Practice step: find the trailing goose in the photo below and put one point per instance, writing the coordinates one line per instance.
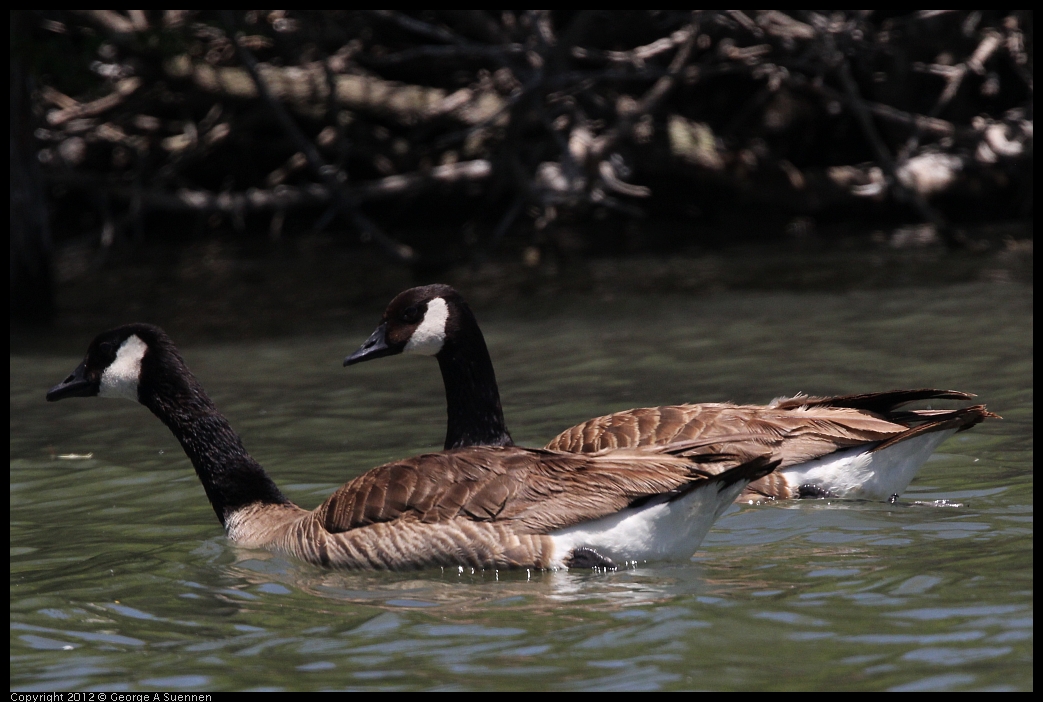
(489, 507)
(852, 446)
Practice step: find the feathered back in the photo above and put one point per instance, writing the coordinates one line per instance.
(535, 490)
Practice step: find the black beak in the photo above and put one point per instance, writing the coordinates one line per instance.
(375, 347)
(76, 385)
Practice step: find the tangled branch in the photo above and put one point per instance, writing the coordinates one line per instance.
(550, 112)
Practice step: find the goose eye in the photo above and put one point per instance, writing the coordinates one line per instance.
(411, 314)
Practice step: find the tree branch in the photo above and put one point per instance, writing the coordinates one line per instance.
(345, 199)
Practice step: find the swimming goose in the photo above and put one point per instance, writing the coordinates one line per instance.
(852, 446)
(489, 507)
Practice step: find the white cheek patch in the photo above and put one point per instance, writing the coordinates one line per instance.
(121, 378)
(429, 336)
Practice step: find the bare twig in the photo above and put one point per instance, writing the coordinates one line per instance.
(307, 84)
(111, 21)
(781, 25)
(281, 197)
(123, 89)
(424, 29)
(638, 55)
(855, 102)
(990, 41)
(647, 102)
(498, 53)
(939, 127)
(748, 24)
(458, 46)
(343, 195)
(933, 125)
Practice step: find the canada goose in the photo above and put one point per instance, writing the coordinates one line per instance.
(853, 446)
(492, 507)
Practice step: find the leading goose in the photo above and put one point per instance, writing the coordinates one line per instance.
(489, 507)
(852, 446)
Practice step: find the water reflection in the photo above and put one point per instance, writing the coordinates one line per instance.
(464, 589)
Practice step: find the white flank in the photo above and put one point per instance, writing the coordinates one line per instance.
(429, 336)
(658, 530)
(120, 379)
(860, 474)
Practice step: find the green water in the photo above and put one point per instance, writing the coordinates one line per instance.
(122, 580)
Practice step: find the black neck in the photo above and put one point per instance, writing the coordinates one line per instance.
(230, 476)
(472, 398)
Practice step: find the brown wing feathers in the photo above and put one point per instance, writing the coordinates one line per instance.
(542, 490)
(939, 420)
(795, 429)
(880, 402)
(536, 490)
(792, 430)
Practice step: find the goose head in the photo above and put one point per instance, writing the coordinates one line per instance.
(114, 364)
(135, 362)
(417, 321)
(434, 320)
(139, 362)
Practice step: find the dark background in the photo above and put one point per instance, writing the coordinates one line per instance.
(269, 172)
